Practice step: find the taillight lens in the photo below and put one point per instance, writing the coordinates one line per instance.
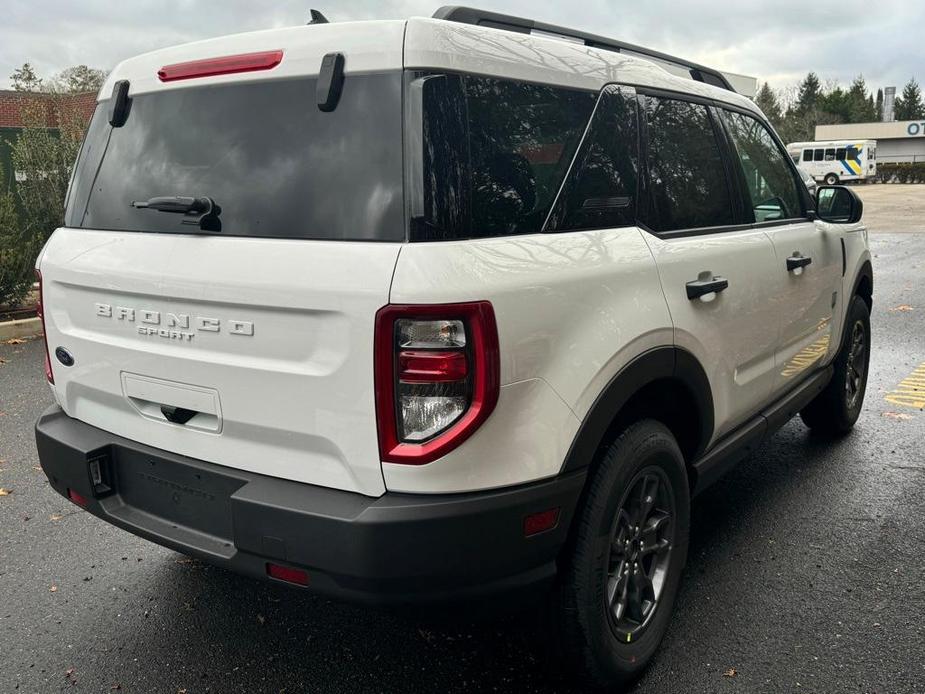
(437, 377)
(40, 310)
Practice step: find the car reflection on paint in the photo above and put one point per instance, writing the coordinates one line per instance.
(808, 180)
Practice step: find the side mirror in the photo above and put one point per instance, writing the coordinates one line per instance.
(838, 205)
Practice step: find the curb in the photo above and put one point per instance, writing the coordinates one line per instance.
(27, 327)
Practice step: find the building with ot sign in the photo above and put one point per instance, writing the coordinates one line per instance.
(899, 141)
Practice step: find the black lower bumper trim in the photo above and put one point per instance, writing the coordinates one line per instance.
(392, 549)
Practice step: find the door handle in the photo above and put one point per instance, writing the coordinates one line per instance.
(699, 288)
(796, 262)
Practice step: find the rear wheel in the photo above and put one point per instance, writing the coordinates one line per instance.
(831, 179)
(837, 408)
(630, 548)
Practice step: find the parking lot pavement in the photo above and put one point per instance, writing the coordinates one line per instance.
(894, 207)
(806, 573)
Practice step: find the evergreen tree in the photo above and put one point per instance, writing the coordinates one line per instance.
(768, 102)
(833, 107)
(810, 90)
(909, 106)
(878, 107)
(860, 108)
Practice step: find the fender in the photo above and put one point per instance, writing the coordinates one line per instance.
(866, 271)
(650, 366)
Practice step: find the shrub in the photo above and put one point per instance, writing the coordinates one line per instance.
(17, 255)
(901, 172)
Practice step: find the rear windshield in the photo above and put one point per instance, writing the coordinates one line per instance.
(274, 164)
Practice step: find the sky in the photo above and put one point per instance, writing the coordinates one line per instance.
(778, 42)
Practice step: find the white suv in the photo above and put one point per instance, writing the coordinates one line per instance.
(428, 309)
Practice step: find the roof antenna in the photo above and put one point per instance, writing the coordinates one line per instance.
(318, 18)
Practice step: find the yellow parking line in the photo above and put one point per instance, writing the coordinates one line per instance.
(911, 390)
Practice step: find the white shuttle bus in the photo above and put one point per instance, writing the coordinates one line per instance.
(834, 161)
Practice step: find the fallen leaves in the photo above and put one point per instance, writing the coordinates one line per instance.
(902, 308)
(731, 672)
(901, 416)
(5, 492)
(70, 676)
(55, 517)
(15, 341)
(53, 589)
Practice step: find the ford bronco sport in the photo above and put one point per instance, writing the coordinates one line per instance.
(433, 309)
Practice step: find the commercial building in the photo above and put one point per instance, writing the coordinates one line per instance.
(899, 141)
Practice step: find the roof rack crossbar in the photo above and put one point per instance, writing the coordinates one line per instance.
(520, 25)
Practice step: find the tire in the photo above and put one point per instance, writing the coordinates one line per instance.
(831, 179)
(603, 648)
(835, 410)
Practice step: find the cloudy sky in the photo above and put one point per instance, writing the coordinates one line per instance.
(775, 41)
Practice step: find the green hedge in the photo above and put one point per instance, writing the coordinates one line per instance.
(904, 172)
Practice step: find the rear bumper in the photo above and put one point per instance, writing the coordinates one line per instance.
(397, 548)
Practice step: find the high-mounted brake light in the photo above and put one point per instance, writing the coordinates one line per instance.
(40, 310)
(437, 377)
(224, 65)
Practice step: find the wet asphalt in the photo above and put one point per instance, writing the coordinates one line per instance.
(806, 574)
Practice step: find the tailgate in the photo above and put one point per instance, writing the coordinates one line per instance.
(265, 344)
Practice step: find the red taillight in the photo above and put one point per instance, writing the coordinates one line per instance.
(437, 377)
(288, 574)
(225, 65)
(40, 310)
(431, 367)
(78, 499)
(540, 522)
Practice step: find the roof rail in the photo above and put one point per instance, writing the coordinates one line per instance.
(520, 25)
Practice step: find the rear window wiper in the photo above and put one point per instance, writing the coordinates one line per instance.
(202, 212)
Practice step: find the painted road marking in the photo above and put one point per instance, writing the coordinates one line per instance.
(911, 390)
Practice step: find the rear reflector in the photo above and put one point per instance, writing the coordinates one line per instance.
(287, 574)
(540, 522)
(225, 65)
(78, 499)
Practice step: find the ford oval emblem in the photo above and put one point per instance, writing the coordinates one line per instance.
(64, 356)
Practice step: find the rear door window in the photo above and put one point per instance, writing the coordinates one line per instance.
(491, 153)
(687, 183)
(274, 163)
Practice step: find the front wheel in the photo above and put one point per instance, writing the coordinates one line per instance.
(835, 410)
(625, 566)
(831, 179)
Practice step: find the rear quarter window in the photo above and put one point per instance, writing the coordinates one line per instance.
(263, 151)
(493, 153)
